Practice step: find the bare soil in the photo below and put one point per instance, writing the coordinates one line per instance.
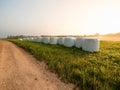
(21, 71)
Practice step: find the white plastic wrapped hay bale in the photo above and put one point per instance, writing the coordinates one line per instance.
(24, 38)
(34, 39)
(38, 39)
(31, 39)
(53, 40)
(27, 39)
(61, 40)
(69, 42)
(41, 39)
(20, 39)
(91, 44)
(79, 42)
(45, 40)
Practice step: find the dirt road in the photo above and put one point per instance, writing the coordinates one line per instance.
(20, 71)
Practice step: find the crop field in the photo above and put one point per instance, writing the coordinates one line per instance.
(88, 71)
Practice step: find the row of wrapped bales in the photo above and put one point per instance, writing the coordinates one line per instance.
(87, 44)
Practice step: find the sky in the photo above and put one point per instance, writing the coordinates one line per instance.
(59, 17)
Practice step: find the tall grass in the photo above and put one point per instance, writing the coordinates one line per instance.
(89, 71)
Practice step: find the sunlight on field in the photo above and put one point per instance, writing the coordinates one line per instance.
(106, 38)
(109, 38)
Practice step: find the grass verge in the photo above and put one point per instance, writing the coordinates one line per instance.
(89, 71)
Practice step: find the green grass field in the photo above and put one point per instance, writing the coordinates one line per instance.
(88, 71)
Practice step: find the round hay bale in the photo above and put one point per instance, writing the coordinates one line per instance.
(31, 39)
(35, 39)
(91, 45)
(20, 39)
(24, 38)
(38, 39)
(53, 40)
(69, 42)
(79, 42)
(27, 39)
(61, 40)
(45, 40)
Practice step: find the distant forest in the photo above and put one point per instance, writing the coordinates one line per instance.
(95, 35)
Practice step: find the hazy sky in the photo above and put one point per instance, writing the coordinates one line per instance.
(59, 17)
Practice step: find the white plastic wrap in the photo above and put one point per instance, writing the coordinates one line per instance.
(53, 40)
(24, 38)
(61, 40)
(45, 40)
(91, 44)
(20, 39)
(79, 42)
(31, 39)
(69, 42)
(38, 39)
(27, 39)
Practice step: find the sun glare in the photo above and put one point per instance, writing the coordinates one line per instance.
(103, 21)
